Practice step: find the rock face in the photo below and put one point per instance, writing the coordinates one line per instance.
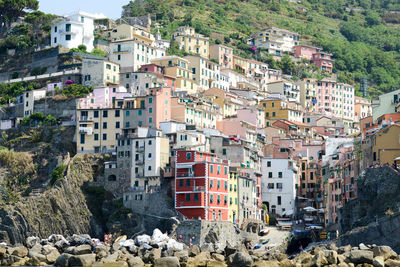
(366, 219)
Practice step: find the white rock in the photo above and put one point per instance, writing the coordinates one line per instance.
(142, 239)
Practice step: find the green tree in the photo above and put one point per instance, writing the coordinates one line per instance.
(40, 22)
(12, 9)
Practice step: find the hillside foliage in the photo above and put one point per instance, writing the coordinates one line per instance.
(362, 35)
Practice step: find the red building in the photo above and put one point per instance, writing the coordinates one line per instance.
(323, 61)
(201, 186)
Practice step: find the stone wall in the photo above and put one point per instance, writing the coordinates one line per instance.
(64, 109)
(217, 232)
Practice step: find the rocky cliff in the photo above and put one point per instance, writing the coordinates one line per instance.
(374, 216)
(62, 209)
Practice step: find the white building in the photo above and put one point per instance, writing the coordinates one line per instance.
(27, 102)
(132, 53)
(141, 156)
(286, 88)
(74, 30)
(278, 184)
(275, 40)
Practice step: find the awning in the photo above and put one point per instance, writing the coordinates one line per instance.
(310, 209)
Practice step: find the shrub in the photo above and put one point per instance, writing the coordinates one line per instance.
(58, 173)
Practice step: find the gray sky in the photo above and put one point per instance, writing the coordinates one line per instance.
(111, 8)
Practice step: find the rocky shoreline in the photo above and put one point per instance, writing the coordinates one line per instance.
(160, 250)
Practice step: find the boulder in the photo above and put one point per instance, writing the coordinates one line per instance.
(207, 247)
(215, 263)
(101, 252)
(379, 261)
(167, 262)
(37, 255)
(155, 254)
(341, 258)
(218, 257)
(47, 249)
(3, 251)
(331, 256)
(20, 251)
(361, 246)
(63, 260)
(135, 262)
(288, 263)
(182, 255)
(361, 256)
(142, 239)
(194, 251)
(62, 244)
(202, 258)
(344, 249)
(241, 259)
(113, 264)
(319, 259)
(343, 264)
(303, 258)
(82, 260)
(112, 258)
(392, 263)
(272, 263)
(36, 248)
(31, 241)
(80, 250)
(52, 256)
(385, 251)
(229, 249)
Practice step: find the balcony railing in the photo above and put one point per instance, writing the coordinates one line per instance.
(185, 174)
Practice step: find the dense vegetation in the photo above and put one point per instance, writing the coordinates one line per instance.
(361, 34)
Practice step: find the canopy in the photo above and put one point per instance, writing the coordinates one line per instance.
(287, 213)
(310, 209)
(396, 159)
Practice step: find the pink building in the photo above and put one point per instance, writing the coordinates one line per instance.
(252, 115)
(323, 61)
(240, 129)
(104, 97)
(305, 51)
(223, 54)
(158, 104)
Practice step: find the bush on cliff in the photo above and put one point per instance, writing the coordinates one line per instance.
(58, 173)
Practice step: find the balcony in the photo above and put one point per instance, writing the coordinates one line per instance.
(62, 31)
(85, 118)
(185, 174)
(199, 188)
(125, 50)
(140, 149)
(86, 130)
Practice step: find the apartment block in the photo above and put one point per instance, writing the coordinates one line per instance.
(223, 54)
(201, 186)
(99, 72)
(192, 42)
(205, 72)
(142, 154)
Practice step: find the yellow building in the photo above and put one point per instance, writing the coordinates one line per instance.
(240, 63)
(280, 109)
(178, 68)
(386, 144)
(227, 101)
(308, 94)
(98, 129)
(125, 31)
(191, 42)
(205, 72)
(233, 195)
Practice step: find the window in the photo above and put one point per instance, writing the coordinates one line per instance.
(105, 113)
(218, 184)
(211, 198)
(117, 124)
(279, 200)
(55, 39)
(55, 29)
(149, 168)
(104, 125)
(218, 199)
(150, 100)
(211, 183)
(224, 151)
(269, 174)
(187, 197)
(270, 185)
(211, 168)
(96, 137)
(82, 138)
(68, 28)
(82, 19)
(196, 197)
(225, 199)
(279, 174)
(181, 183)
(96, 113)
(150, 110)
(187, 182)
(225, 170)
(279, 185)
(104, 136)
(68, 37)
(188, 155)
(96, 125)
(268, 163)
(117, 112)
(218, 169)
(226, 185)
